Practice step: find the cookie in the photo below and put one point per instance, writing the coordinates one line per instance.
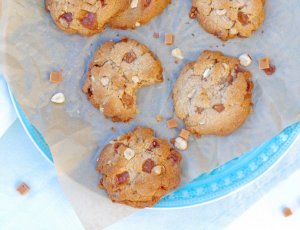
(86, 17)
(213, 95)
(116, 72)
(138, 168)
(138, 13)
(228, 19)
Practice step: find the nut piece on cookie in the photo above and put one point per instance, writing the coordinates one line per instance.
(84, 17)
(228, 19)
(138, 168)
(217, 103)
(117, 71)
(141, 11)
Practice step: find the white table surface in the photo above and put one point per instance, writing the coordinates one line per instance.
(46, 207)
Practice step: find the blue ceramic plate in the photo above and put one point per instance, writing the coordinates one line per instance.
(210, 186)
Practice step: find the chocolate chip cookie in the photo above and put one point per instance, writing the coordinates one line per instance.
(138, 13)
(213, 95)
(138, 168)
(116, 72)
(85, 17)
(229, 18)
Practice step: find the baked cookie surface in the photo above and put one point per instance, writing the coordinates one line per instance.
(228, 19)
(115, 74)
(86, 17)
(138, 168)
(144, 11)
(213, 95)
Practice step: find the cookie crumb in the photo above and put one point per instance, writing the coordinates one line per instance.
(113, 129)
(287, 212)
(169, 39)
(172, 141)
(155, 35)
(184, 134)
(56, 77)
(271, 70)
(158, 118)
(172, 123)
(264, 63)
(23, 188)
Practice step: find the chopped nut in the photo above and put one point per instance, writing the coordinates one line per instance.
(90, 21)
(172, 141)
(193, 12)
(172, 123)
(184, 134)
(180, 143)
(55, 77)
(174, 156)
(129, 57)
(148, 165)
(245, 60)
(129, 153)
(146, 3)
(221, 12)
(104, 81)
(199, 110)
(158, 118)
(206, 73)
(287, 212)
(243, 18)
(58, 98)
(169, 39)
(270, 70)
(122, 178)
(134, 3)
(219, 108)
(23, 188)
(264, 63)
(135, 79)
(157, 169)
(177, 53)
(156, 35)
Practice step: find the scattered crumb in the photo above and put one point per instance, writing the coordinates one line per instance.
(184, 134)
(217, 46)
(113, 129)
(124, 39)
(287, 212)
(172, 123)
(264, 63)
(169, 39)
(172, 141)
(262, 31)
(211, 46)
(155, 35)
(158, 118)
(55, 77)
(23, 188)
(271, 70)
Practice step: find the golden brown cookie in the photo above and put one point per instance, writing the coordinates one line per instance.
(115, 74)
(138, 13)
(86, 17)
(228, 19)
(213, 95)
(138, 168)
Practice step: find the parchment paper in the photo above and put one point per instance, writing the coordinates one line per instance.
(32, 47)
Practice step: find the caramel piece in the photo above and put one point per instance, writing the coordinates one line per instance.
(169, 39)
(172, 123)
(184, 134)
(23, 188)
(287, 212)
(264, 63)
(55, 77)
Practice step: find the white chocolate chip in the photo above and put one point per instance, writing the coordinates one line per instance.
(93, 78)
(111, 142)
(101, 109)
(58, 98)
(134, 3)
(206, 73)
(157, 170)
(129, 153)
(137, 24)
(245, 60)
(177, 53)
(192, 93)
(180, 143)
(221, 12)
(104, 81)
(135, 79)
(233, 31)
